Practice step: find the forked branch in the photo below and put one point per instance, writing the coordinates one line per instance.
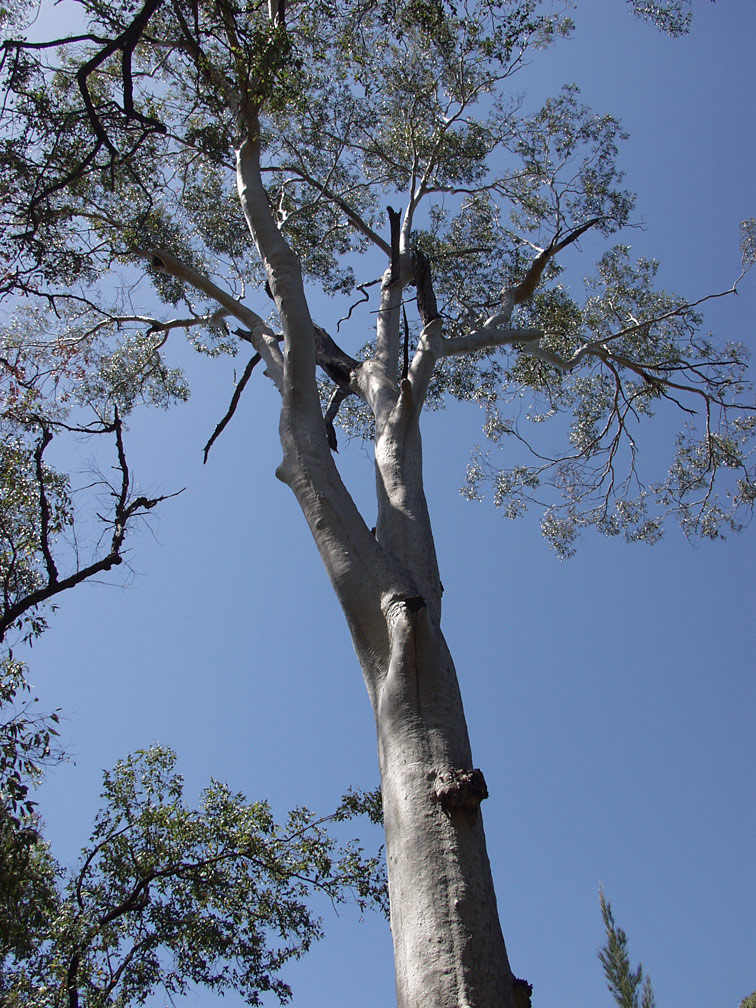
(126, 509)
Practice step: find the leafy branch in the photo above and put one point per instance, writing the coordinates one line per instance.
(629, 987)
(168, 895)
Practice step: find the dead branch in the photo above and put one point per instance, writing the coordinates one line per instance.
(246, 375)
(124, 512)
(426, 298)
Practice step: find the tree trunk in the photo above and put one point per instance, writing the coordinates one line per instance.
(448, 946)
(449, 950)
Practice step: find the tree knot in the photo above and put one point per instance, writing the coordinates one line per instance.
(460, 790)
(415, 603)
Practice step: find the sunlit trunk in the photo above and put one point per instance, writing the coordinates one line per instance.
(449, 950)
(448, 946)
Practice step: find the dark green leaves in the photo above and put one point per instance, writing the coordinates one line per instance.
(28, 894)
(27, 743)
(24, 522)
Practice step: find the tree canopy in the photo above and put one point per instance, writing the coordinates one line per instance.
(120, 177)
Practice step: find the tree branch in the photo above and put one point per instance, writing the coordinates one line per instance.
(126, 42)
(44, 508)
(246, 375)
(526, 287)
(337, 398)
(349, 212)
(431, 341)
(125, 510)
(264, 340)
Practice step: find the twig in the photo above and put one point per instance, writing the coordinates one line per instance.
(246, 375)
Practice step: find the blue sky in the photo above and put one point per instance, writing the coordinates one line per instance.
(610, 699)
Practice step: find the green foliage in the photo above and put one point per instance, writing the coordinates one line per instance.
(748, 242)
(27, 743)
(629, 988)
(27, 872)
(670, 16)
(16, 15)
(410, 102)
(167, 895)
(659, 359)
(28, 892)
(749, 1002)
(21, 518)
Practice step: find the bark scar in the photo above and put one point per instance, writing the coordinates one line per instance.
(460, 790)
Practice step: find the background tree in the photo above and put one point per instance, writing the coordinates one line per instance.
(166, 895)
(586, 472)
(629, 987)
(27, 873)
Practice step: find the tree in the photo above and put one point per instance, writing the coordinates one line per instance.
(324, 115)
(624, 983)
(166, 895)
(27, 875)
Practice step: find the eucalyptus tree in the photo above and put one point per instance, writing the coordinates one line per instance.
(210, 166)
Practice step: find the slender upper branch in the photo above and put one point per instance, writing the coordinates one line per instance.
(235, 398)
(346, 208)
(262, 336)
(44, 508)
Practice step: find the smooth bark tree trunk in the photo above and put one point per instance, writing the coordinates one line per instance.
(449, 950)
(448, 944)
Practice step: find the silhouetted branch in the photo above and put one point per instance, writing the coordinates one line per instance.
(426, 298)
(44, 507)
(124, 512)
(126, 42)
(395, 223)
(337, 398)
(246, 375)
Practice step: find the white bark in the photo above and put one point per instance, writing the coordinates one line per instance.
(449, 951)
(263, 338)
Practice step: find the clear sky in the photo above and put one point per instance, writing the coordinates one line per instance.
(610, 699)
